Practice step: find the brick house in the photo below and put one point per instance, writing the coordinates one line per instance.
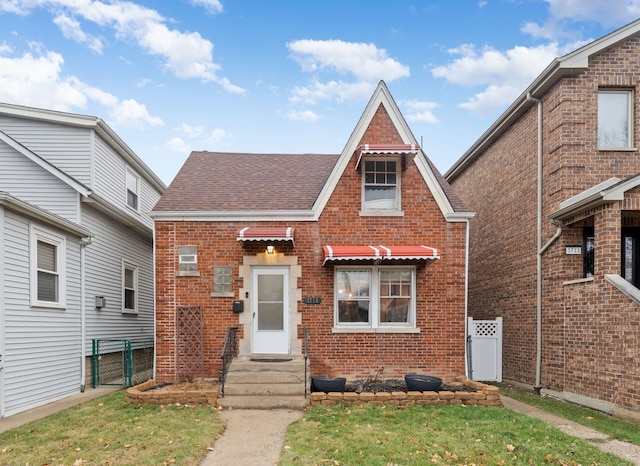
(554, 246)
(364, 250)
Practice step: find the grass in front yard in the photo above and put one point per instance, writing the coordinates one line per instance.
(612, 426)
(418, 435)
(111, 431)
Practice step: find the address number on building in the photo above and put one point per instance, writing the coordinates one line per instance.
(574, 250)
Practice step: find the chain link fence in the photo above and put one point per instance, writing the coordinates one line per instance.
(121, 362)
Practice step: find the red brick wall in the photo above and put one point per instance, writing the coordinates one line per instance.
(586, 326)
(439, 348)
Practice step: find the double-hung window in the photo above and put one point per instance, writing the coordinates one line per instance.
(47, 269)
(381, 185)
(129, 287)
(615, 119)
(375, 297)
(133, 188)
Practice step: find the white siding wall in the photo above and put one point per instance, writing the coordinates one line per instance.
(26, 180)
(42, 346)
(68, 148)
(103, 275)
(110, 183)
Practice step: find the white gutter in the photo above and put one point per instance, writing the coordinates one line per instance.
(84, 242)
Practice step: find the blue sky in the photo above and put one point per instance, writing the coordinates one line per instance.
(286, 76)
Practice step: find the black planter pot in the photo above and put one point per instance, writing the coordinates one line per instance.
(328, 384)
(422, 383)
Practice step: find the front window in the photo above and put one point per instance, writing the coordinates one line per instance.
(133, 183)
(615, 120)
(129, 287)
(375, 297)
(47, 268)
(381, 185)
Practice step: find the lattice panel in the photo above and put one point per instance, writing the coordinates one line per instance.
(486, 329)
(189, 332)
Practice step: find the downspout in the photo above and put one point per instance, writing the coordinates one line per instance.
(537, 384)
(541, 249)
(466, 303)
(84, 242)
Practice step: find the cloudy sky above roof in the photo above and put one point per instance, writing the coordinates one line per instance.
(286, 76)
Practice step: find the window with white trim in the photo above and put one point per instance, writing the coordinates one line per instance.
(188, 259)
(615, 119)
(129, 287)
(381, 185)
(133, 188)
(48, 265)
(375, 297)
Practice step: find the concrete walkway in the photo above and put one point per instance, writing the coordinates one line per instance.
(625, 450)
(252, 437)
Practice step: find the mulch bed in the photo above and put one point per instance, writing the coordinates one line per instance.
(396, 385)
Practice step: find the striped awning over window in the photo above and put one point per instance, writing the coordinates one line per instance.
(379, 252)
(404, 150)
(266, 234)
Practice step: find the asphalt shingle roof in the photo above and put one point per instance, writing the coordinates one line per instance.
(223, 181)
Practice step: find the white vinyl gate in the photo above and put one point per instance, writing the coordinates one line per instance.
(484, 349)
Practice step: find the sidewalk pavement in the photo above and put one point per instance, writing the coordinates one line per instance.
(625, 450)
(34, 414)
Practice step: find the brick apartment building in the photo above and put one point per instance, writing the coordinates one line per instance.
(554, 246)
(365, 250)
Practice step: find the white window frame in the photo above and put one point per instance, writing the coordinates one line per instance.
(131, 176)
(374, 324)
(130, 266)
(368, 209)
(36, 235)
(188, 261)
(610, 106)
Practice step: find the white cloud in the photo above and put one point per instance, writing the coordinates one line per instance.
(361, 65)
(608, 13)
(364, 61)
(505, 74)
(417, 110)
(212, 6)
(178, 145)
(218, 135)
(304, 115)
(71, 30)
(131, 114)
(332, 90)
(37, 81)
(185, 54)
(191, 131)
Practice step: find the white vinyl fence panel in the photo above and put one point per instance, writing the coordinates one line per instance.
(485, 349)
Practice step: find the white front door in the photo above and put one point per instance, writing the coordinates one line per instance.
(270, 306)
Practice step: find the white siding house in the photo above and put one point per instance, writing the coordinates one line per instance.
(74, 225)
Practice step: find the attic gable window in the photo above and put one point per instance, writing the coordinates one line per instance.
(381, 185)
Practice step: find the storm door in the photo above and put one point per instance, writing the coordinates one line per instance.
(270, 310)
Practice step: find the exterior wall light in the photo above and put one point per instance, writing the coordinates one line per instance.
(270, 249)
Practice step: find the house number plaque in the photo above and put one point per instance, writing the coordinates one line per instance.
(573, 250)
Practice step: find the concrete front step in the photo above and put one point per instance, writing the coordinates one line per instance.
(263, 389)
(263, 402)
(265, 377)
(266, 384)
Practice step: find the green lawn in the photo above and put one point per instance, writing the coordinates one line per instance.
(111, 431)
(419, 435)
